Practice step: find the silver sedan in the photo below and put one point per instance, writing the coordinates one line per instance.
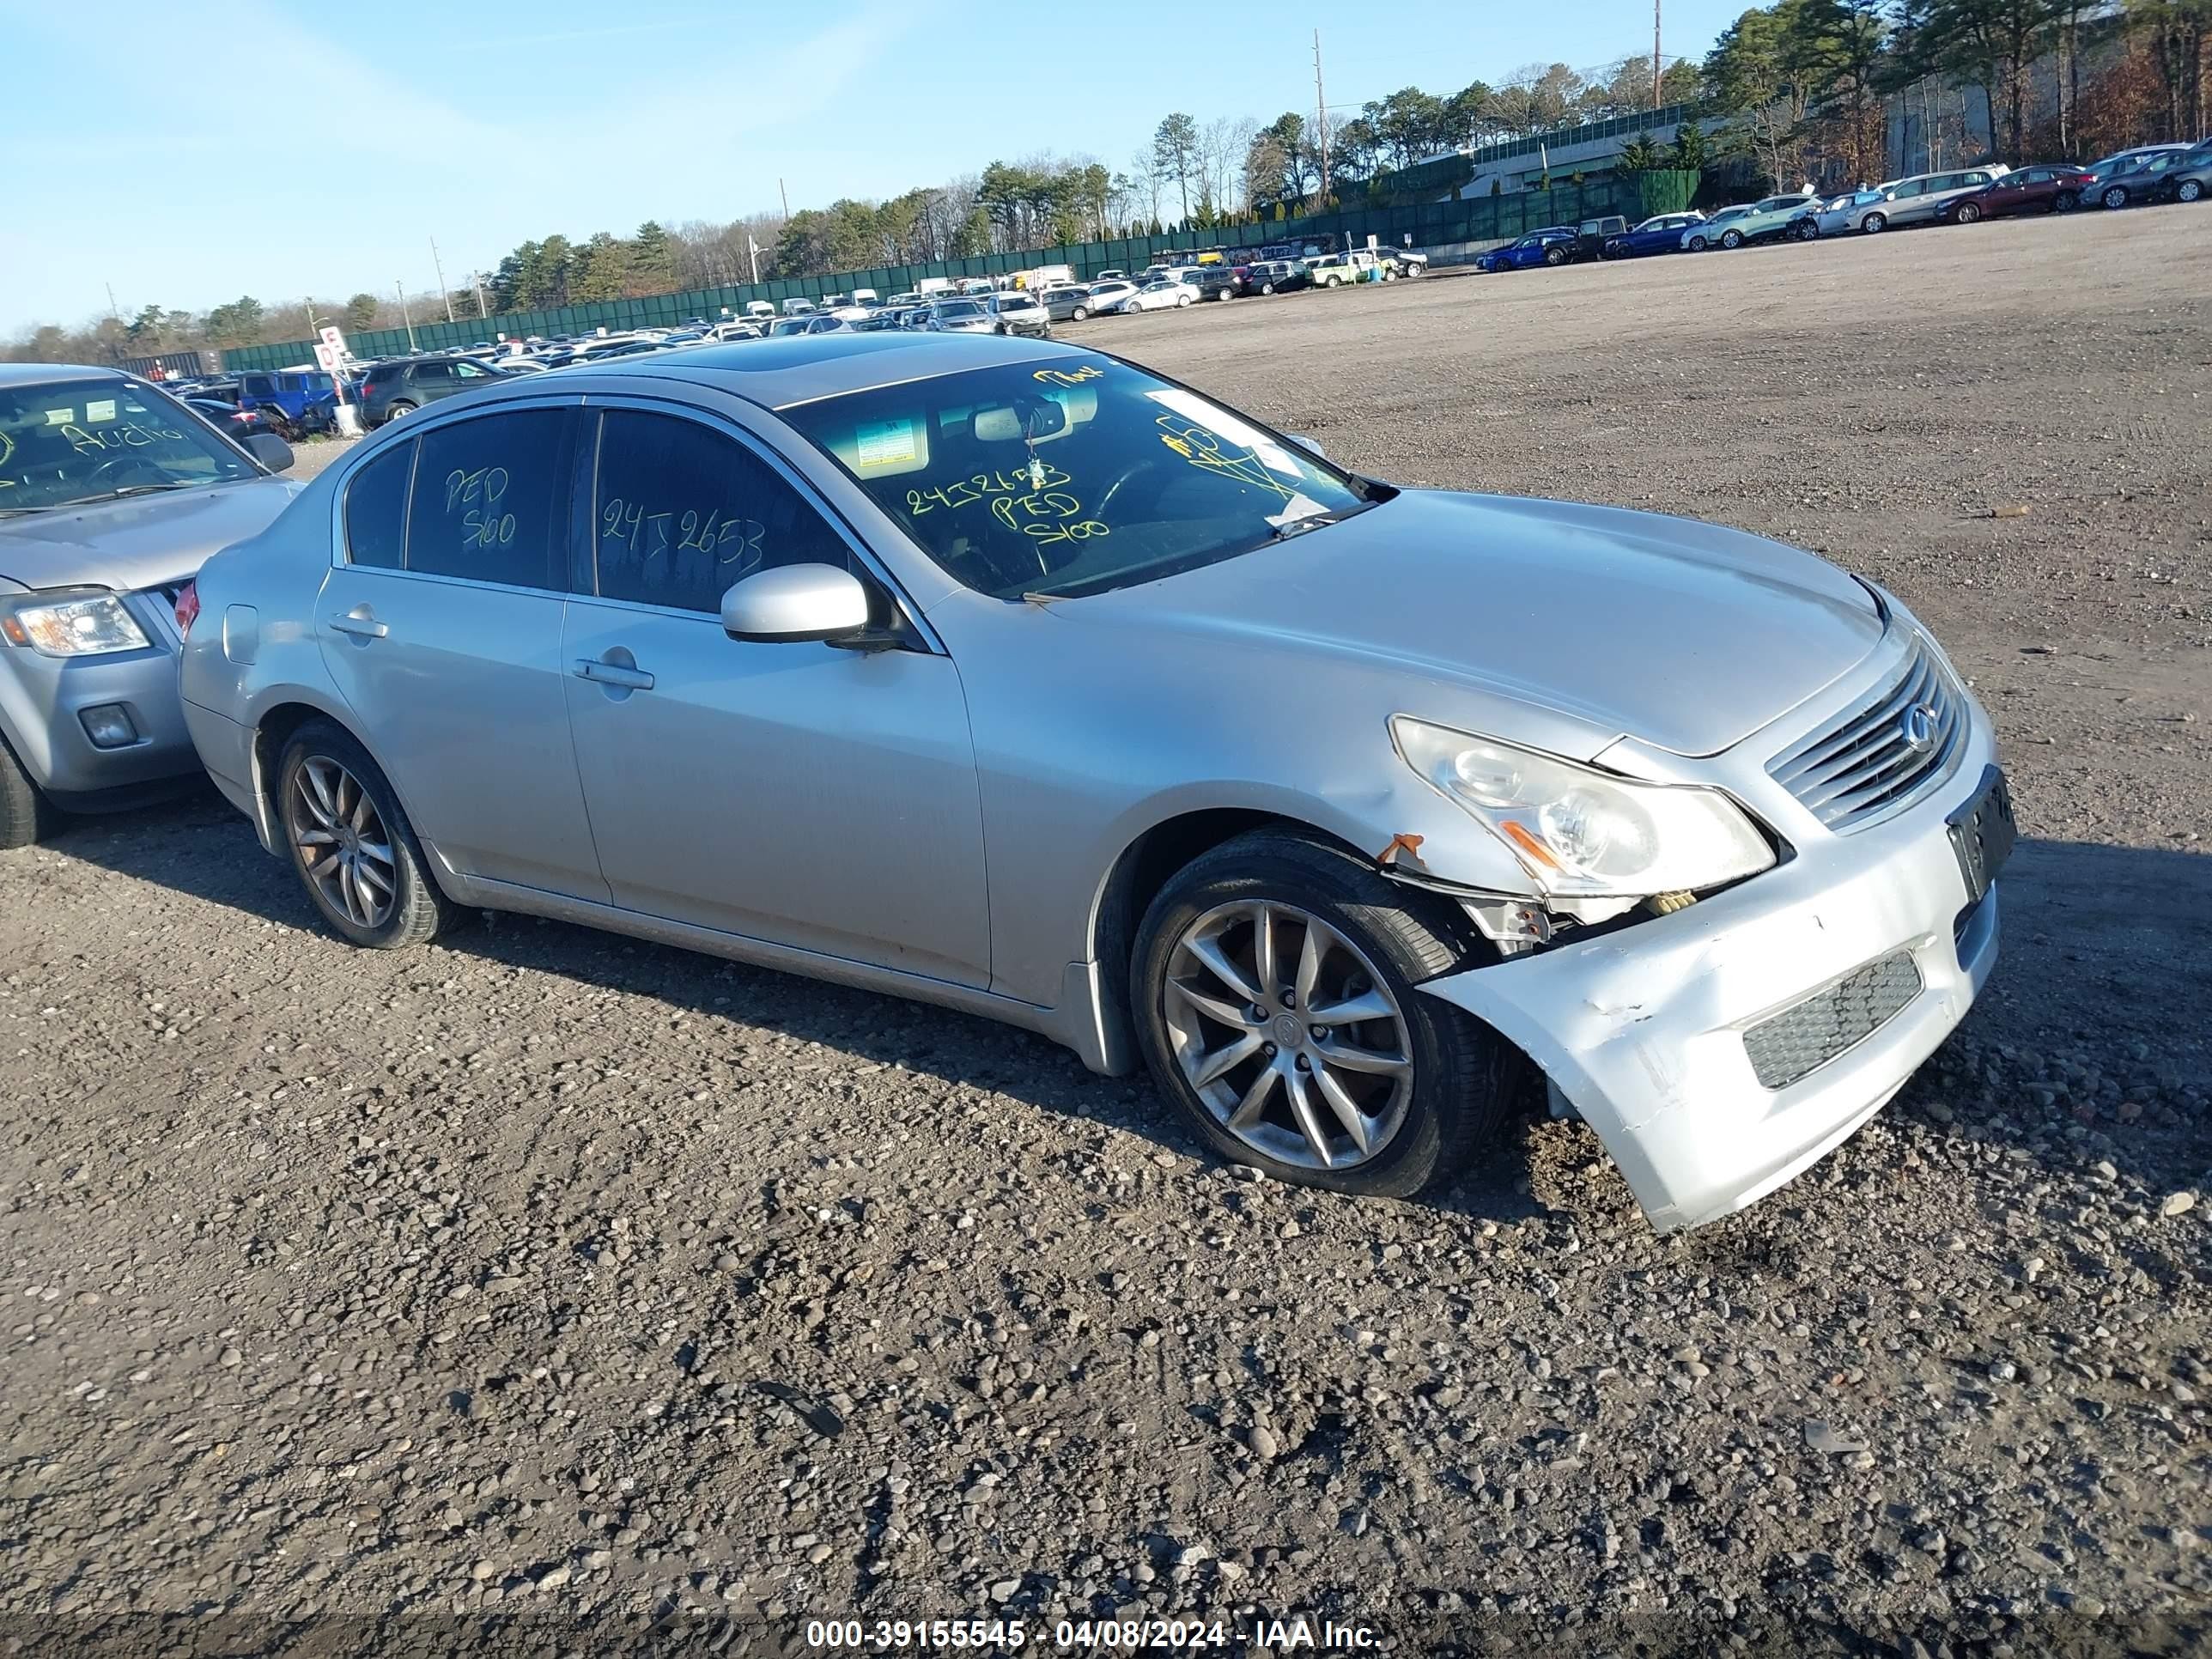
(1012, 677)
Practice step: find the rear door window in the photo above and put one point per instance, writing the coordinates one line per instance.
(376, 509)
(680, 512)
(489, 502)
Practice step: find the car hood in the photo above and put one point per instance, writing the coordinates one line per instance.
(141, 541)
(1688, 636)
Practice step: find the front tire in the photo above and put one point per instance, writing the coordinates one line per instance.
(1697, 245)
(1274, 984)
(1967, 213)
(1874, 223)
(1808, 231)
(351, 845)
(2065, 202)
(24, 814)
(1555, 256)
(1731, 240)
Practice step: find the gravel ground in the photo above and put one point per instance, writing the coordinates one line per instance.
(546, 1280)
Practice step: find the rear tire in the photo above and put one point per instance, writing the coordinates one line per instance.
(1555, 256)
(1461, 1075)
(1731, 240)
(1697, 245)
(1078, 315)
(25, 815)
(393, 411)
(409, 911)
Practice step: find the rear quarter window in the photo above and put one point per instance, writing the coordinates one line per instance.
(376, 509)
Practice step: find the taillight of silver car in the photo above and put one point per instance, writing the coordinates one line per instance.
(188, 607)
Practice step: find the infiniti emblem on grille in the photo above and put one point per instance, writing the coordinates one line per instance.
(1918, 727)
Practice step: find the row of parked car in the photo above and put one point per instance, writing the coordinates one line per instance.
(1961, 195)
(393, 388)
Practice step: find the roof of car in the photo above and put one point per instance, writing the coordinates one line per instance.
(46, 374)
(776, 374)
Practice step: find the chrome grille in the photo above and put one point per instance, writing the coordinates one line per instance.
(1866, 767)
(1799, 1041)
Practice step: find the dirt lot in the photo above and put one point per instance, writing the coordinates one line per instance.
(548, 1278)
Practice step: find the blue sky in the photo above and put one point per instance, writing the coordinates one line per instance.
(187, 153)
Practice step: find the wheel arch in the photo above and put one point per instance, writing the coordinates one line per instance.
(274, 727)
(1145, 865)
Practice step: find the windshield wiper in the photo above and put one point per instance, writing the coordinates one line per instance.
(1283, 532)
(124, 489)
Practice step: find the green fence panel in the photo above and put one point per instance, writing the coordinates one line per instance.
(1486, 218)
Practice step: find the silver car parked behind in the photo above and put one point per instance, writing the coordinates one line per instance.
(1914, 200)
(111, 493)
(1014, 678)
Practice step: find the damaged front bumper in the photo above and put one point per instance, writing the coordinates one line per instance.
(1720, 1050)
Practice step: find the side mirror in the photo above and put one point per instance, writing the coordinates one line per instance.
(795, 602)
(1312, 445)
(272, 451)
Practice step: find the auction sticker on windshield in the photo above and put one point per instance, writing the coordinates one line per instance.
(885, 444)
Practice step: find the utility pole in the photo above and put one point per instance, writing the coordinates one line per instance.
(440, 270)
(400, 288)
(1654, 54)
(786, 195)
(1320, 116)
(752, 251)
(476, 281)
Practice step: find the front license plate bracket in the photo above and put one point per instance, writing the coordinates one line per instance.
(1983, 832)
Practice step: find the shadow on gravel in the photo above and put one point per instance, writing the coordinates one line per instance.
(2088, 1045)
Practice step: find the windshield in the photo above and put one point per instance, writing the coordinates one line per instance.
(70, 442)
(960, 308)
(1072, 478)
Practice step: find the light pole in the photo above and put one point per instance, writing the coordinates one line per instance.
(400, 288)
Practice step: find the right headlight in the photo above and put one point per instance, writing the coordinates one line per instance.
(82, 625)
(1580, 832)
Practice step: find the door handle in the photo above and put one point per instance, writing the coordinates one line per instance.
(611, 674)
(367, 628)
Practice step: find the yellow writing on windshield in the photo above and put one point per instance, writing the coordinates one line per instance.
(1068, 377)
(983, 486)
(1047, 517)
(1211, 453)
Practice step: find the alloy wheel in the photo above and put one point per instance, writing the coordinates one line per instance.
(1289, 1034)
(342, 842)
(1968, 214)
(2188, 189)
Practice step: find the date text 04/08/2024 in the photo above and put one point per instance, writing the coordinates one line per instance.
(1089, 1635)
